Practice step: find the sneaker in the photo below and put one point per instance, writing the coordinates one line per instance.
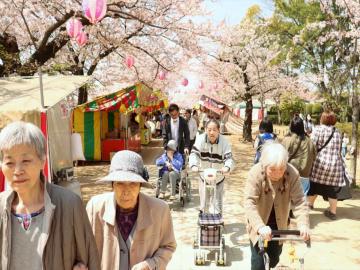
(161, 195)
(172, 198)
(329, 215)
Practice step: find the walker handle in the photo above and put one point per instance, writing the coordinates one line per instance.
(217, 171)
(285, 232)
(290, 232)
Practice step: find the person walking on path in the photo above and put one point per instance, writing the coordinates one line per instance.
(328, 172)
(212, 150)
(193, 128)
(272, 187)
(171, 163)
(301, 151)
(176, 128)
(308, 125)
(345, 141)
(132, 230)
(195, 115)
(42, 226)
(266, 131)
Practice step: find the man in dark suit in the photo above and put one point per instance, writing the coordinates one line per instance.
(176, 128)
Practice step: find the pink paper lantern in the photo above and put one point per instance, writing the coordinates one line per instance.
(94, 10)
(82, 39)
(201, 85)
(162, 75)
(185, 82)
(74, 27)
(129, 61)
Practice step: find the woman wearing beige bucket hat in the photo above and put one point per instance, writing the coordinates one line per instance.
(132, 230)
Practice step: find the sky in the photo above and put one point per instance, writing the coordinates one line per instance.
(234, 10)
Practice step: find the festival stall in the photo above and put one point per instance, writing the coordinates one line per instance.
(115, 122)
(216, 109)
(20, 99)
(258, 113)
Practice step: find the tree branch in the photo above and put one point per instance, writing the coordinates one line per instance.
(149, 54)
(99, 58)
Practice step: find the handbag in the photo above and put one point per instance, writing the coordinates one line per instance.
(345, 191)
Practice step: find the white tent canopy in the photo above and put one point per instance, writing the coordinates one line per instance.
(20, 96)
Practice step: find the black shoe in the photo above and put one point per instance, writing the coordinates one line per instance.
(329, 215)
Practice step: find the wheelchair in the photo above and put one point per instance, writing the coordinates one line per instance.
(183, 185)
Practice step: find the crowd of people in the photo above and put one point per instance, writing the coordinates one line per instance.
(126, 229)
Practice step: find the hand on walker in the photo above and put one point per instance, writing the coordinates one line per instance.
(225, 170)
(141, 266)
(195, 168)
(80, 266)
(186, 151)
(305, 233)
(265, 232)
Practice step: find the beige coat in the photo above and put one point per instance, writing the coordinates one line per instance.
(66, 238)
(260, 196)
(303, 155)
(153, 239)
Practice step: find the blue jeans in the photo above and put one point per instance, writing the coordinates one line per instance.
(305, 183)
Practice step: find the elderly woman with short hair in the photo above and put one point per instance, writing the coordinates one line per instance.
(132, 230)
(328, 172)
(272, 187)
(42, 226)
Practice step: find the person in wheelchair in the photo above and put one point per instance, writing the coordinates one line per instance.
(170, 163)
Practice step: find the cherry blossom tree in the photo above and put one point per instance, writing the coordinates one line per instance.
(244, 65)
(158, 33)
(343, 23)
(320, 40)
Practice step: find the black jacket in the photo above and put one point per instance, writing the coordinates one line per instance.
(184, 134)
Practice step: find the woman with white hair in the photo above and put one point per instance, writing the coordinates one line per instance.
(42, 226)
(272, 187)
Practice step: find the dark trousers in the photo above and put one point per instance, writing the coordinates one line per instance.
(273, 250)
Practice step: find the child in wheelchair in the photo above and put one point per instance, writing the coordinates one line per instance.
(170, 164)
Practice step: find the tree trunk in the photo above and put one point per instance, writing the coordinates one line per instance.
(279, 115)
(248, 119)
(83, 95)
(354, 119)
(354, 136)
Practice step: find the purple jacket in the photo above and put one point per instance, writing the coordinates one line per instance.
(176, 163)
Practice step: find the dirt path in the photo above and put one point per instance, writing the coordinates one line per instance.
(335, 244)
